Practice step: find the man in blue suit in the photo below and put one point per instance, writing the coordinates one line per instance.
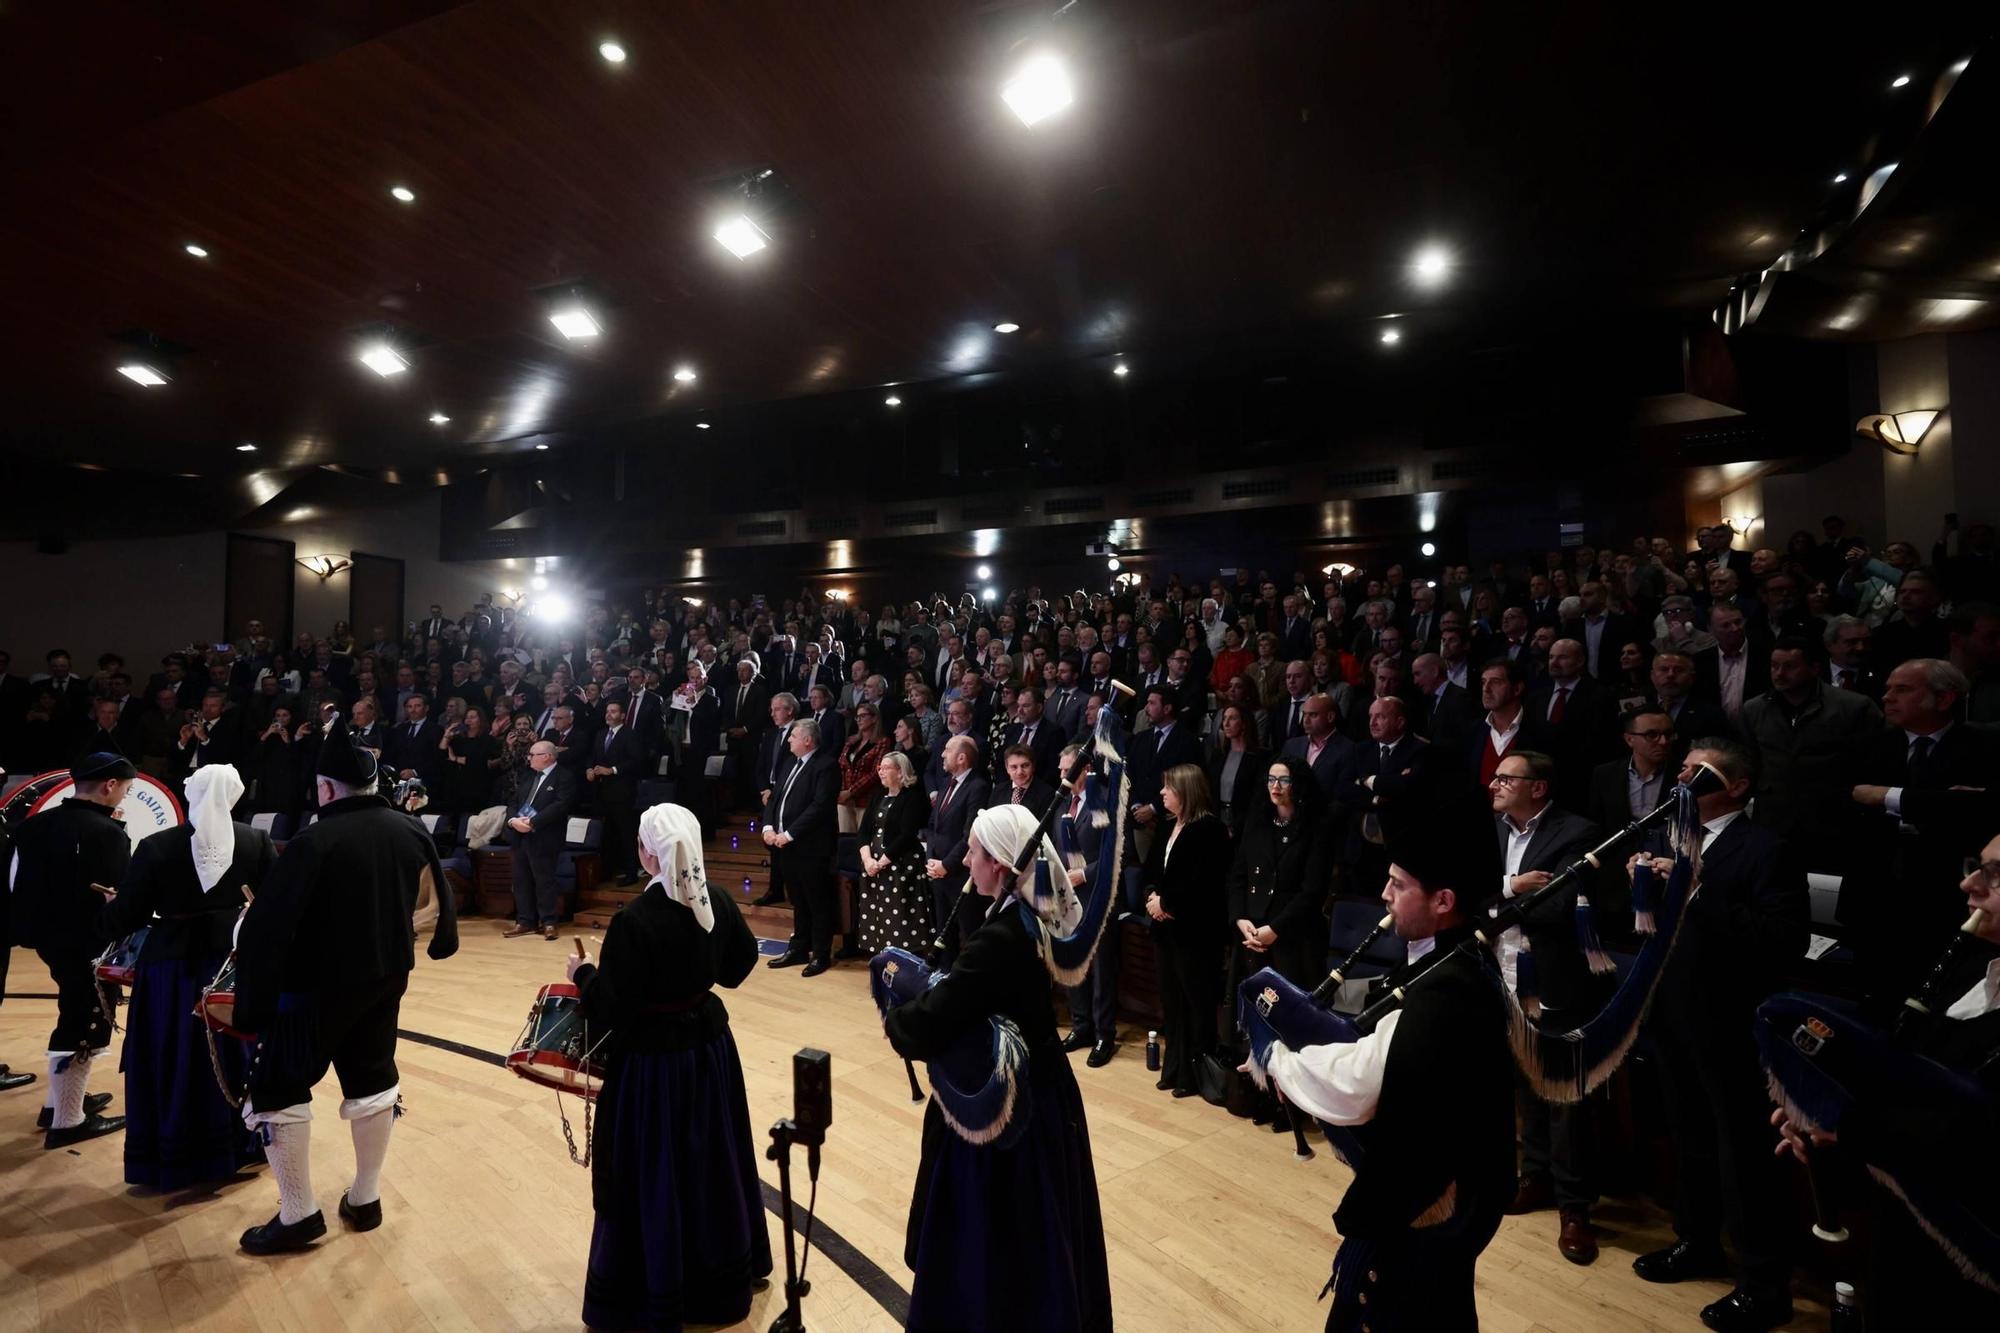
(961, 795)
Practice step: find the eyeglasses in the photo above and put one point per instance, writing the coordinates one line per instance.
(1277, 780)
(1509, 779)
(1652, 735)
(1989, 870)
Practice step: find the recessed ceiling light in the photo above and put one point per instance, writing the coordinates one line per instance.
(685, 374)
(246, 448)
(1840, 178)
(1431, 266)
(1391, 337)
(1007, 326)
(1121, 369)
(1039, 89)
(1428, 548)
(741, 237)
(1900, 81)
(439, 418)
(612, 52)
(575, 322)
(541, 446)
(382, 359)
(701, 425)
(404, 193)
(197, 251)
(142, 374)
(892, 401)
(983, 573)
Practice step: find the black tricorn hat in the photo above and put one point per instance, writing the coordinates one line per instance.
(342, 760)
(103, 766)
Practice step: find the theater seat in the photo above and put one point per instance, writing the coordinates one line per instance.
(279, 826)
(583, 841)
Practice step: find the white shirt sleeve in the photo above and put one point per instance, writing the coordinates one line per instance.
(1340, 1082)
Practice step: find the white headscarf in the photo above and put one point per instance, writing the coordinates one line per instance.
(212, 792)
(673, 835)
(1003, 830)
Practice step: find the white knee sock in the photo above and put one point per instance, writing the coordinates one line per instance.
(69, 1078)
(371, 1119)
(287, 1149)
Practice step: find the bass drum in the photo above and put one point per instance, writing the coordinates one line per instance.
(149, 806)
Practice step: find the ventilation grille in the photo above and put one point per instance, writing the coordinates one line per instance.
(1390, 475)
(910, 518)
(1072, 504)
(1252, 490)
(833, 523)
(763, 527)
(1155, 499)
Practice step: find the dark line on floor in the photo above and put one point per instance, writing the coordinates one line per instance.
(29, 995)
(840, 1252)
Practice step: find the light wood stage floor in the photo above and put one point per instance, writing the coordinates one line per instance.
(1209, 1223)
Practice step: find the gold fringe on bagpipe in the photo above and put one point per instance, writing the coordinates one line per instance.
(1071, 976)
(1013, 1055)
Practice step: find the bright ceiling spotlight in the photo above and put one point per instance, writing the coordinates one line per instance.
(246, 448)
(1121, 370)
(197, 251)
(991, 594)
(575, 322)
(741, 237)
(1840, 178)
(439, 418)
(1006, 326)
(403, 193)
(383, 360)
(1112, 564)
(612, 52)
(1900, 81)
(1431, 266)
(538, 582)
(541, 446)
(1040, 88)
(701, 425)
(1429, 549)
(1391, 337)
(685, 375)
(892, 401)
(983, 573)
(142, 374)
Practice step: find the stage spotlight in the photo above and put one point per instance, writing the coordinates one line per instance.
(1112, 564)
(1121, 370)
(246, 448)
(1431, 266)
(403, 193)
(1391, 337)
(197, 251)
(382, 359)
(612, 52)
(142, 374)
(439, 418)
(685, 375)
(983, 573)
(741, 237)
(1429, 549)
(1006, 326)
(575, 322)
(1039, 89)
(991, 594)
(892, 401)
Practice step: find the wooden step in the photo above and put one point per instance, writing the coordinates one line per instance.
(771, 923)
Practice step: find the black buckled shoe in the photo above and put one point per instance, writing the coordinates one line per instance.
(360, 1216)
(93, 1127)
(1077, 1040)
(274, 1237)
(1101, 1052)
(1679, 1262)
(10, 1080)
(92, 1104)
(1746, 1310)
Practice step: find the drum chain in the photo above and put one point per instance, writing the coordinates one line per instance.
(215, 1061)
(589, 1098)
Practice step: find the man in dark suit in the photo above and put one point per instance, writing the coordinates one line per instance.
(746, 716)
(1536, 839)
(774, 764)
(572, 742)
(1738, 668)
(832, 726)
(1065, 702)
(214, 735)
(1441, 711)
(1600, 632)
(1848, 640)
(1033, 729)
(962, 794)
(1024, 784)
(1294, 631)
(1621, 790)
(411, 750)
(646, 716)
(1899, 899)
(72, 691)
(800, 828)
(1166, 744)
(1673, 691)
(781, 665)
(1507, 726)
(1576, 718)
(435, 626)
(106, 736)
(1286, 721)
(536, 825)
(1737, 937)
(1322, 748)
(1383, 787)
(617, 761)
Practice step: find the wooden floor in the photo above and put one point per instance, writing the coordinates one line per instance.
(1209, 1223)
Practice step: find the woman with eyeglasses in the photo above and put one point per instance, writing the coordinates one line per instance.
(1277, 890)
(1183, 879)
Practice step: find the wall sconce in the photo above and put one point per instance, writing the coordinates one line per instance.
(1898, 432)
(1340, 567)
(836, 594)
(511, 596)
(326, 566)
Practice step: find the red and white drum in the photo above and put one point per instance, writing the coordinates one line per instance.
(149, 805)
(217, 1005)
(119, 965)
(555, 1048)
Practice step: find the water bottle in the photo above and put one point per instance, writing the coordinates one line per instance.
(1152, 1052)
(1846, 1309)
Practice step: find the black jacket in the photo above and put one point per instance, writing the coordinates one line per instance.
(1739, 936)
(893, 825)
(1566, 982)
(808, 811)
(949, 824)
(555, 802)
(193, 924)
(1279, 878)
(418, 753)
(334, 913)
(58, 855)
(1192, 882)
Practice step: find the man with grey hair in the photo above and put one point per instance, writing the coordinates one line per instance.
(800, 830)
(1847, 640)
(536, 823)
(961, 794)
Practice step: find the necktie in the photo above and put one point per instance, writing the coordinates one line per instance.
(1386, 750)
(1920, 759)
(415, 727)
(1292, 727)
(1017, 796)
(1557, 708)
(742, 693)
(1028, 734)
(1846, 678)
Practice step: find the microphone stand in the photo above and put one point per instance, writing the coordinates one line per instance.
(783, 1135)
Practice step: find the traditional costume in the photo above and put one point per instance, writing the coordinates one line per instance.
(179, 1128)
(1005, 1234)
(58, 855)
(680, 1232)
(322, 958)
(1431, 1090)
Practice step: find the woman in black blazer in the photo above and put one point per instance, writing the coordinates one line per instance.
(1184, 881)
(895, 895)
(1238, 787)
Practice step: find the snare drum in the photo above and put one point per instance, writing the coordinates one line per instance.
(217, 1005)
(119, 965)
(554, 1048)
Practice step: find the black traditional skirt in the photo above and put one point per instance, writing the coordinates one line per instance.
(179, 1131)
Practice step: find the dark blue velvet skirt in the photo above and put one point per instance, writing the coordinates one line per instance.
(680, 1229)
(178, 1129)
(1011, 1238)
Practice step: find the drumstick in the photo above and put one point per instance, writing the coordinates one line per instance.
(579, 948)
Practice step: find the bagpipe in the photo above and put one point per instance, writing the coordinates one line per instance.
(1559, 1066)
(1824, 1065)
(980, 1085)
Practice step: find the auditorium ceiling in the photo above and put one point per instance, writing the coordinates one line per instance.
(205, 190)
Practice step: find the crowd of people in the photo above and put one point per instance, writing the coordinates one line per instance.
(1287, 735)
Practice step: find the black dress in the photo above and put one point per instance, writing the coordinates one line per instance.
(179, 1129)
(1189, 947)
(281, 775)
(1011, 1238)
(462, 788)
(896, 902)
(680, 1231)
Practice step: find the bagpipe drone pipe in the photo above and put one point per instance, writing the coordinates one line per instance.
(1832, 1073)
(1559, 1066)
(981, 1084)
